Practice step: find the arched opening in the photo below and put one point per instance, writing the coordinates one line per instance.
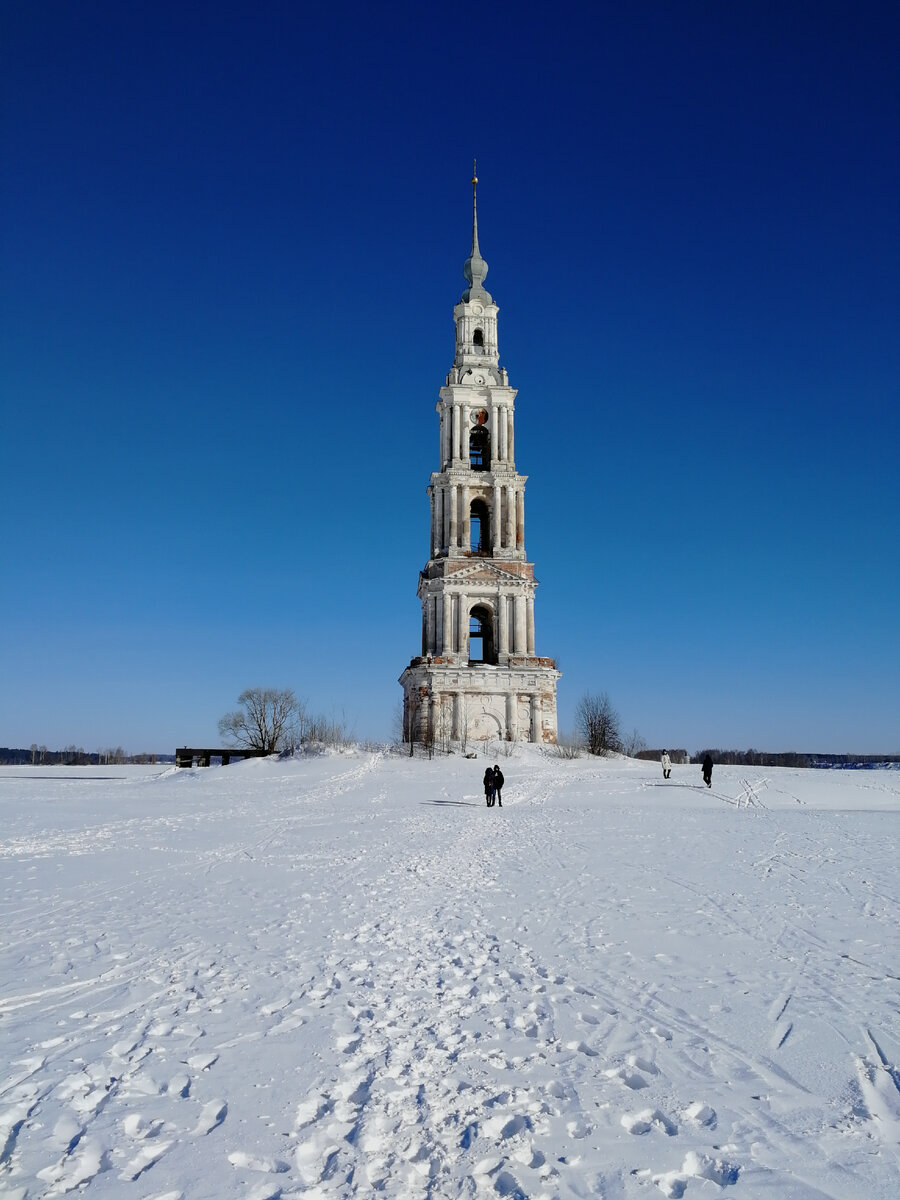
(479, 527)
(480, 449)
(481, 635)
(478, 338)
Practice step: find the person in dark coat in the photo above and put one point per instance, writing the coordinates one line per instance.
(489, 787)
(707, 769)
(498, 784)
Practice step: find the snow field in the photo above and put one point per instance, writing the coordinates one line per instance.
(345, 977)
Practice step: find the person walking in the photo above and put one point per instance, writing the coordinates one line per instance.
(707, 769)
(489, 787)
(666, 764)
(498, 784)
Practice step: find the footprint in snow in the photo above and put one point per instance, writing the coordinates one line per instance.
(202, 1062)
(211, 1117)
(700, 1114)
(642, 1122)
(256, 1162)
(631, 1079)
(145, 1158)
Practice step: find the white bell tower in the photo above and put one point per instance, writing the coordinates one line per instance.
(478, 676)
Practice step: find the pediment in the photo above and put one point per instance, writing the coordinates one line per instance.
(485, 571)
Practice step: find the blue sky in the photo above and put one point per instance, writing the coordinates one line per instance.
(232, 239)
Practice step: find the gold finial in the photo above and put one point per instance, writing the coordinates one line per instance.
(474, 171)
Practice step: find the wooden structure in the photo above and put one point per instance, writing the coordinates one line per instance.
(185, 755)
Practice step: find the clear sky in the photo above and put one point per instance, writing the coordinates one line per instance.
(232, 239)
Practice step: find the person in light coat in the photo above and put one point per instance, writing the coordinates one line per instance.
(666, 764)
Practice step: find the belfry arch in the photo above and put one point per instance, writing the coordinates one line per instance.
(480, 449)
(481, 635)
(479, 527)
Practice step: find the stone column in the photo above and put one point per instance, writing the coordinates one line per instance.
(463, 626)
(512, 437)
(520, 520)
(520, 624)
(435, 716)
(454, 431)
(446, 616)
(464, 432)
(454, 507)
(510, 517)
(530, 624)
(495, 520)
(503, 625)
(429, 624)
(431, 498)
(503, 431)
(466, 537)
(439, 522)
(512, 715)
(535, 719)
(454, 728)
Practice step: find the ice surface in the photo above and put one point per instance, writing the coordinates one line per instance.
(345, 977)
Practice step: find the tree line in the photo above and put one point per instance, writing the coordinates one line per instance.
(791, 758)
(73, 756)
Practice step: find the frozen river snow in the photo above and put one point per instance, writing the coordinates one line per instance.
(345, 977)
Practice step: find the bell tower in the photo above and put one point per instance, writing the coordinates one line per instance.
(478, 676)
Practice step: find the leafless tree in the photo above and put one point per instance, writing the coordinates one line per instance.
(463, 718)
(633, 744)
(567, 747)
(598, 724)
(263, 722)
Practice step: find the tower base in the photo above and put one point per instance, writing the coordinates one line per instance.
(445, 702)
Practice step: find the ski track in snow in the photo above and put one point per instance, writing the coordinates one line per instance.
(347, 978)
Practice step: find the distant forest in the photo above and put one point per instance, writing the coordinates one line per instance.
(74, 756)
(760, 758)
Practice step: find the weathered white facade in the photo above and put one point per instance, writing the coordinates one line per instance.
(478, 676)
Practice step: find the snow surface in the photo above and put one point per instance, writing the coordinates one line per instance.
(346, 977)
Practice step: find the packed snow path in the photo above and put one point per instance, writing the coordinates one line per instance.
(346, 977)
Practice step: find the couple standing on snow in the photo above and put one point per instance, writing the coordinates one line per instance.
(707, 767)
(493, 786)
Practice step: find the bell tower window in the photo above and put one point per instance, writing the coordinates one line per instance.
(478, 338)
(480, 449)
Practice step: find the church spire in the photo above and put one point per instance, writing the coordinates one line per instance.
(475, 269)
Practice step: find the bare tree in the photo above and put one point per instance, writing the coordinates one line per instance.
(567, 747)
(263, 722)
(598, 724)
(633, 744)
(463, 718)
